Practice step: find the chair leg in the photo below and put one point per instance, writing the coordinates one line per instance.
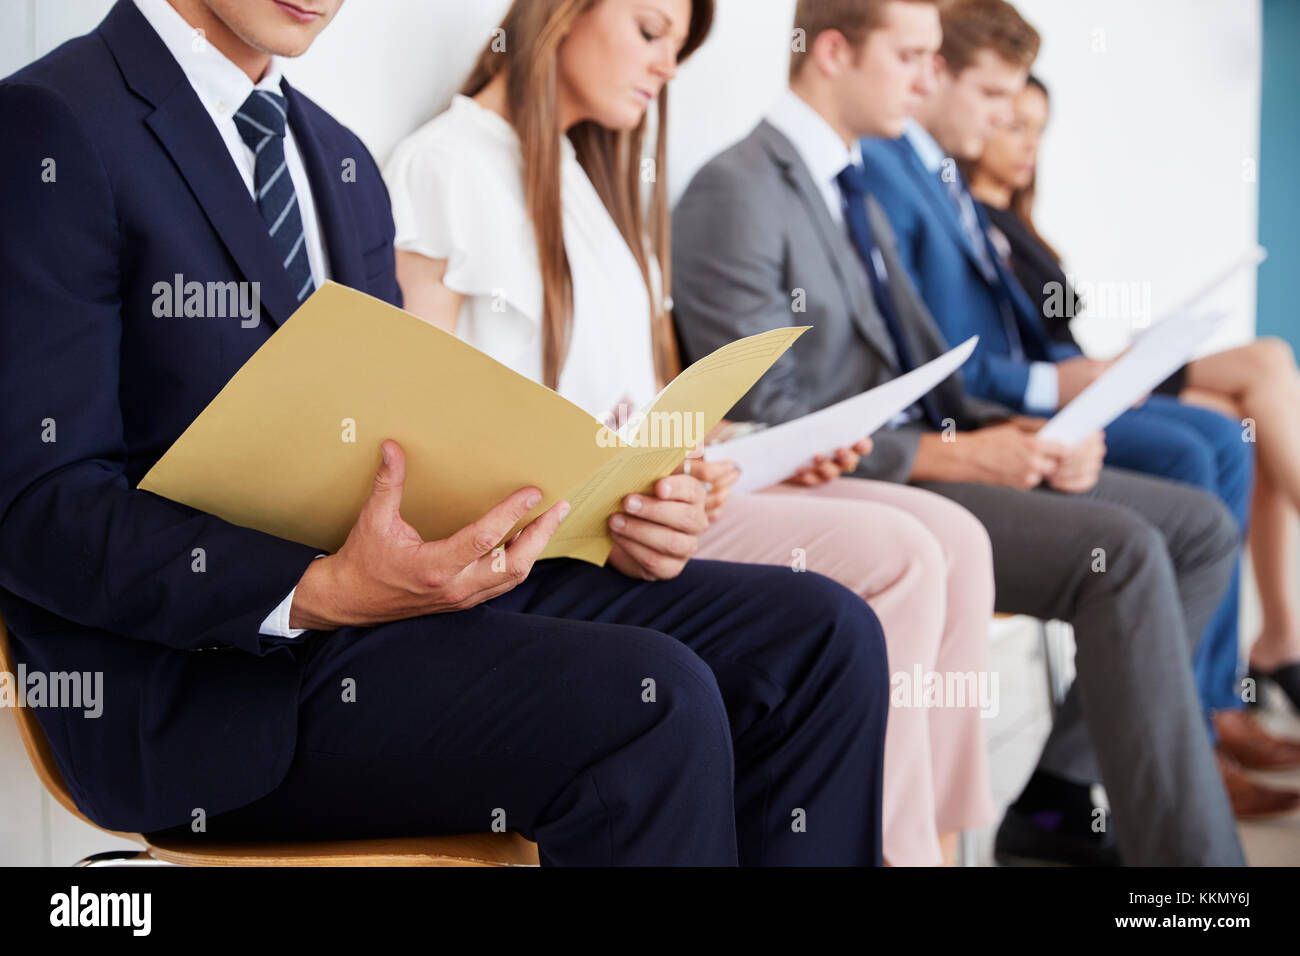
(1053, 636)
(967, 849)
(121, 858)
(1062, 663)
(1049, 666)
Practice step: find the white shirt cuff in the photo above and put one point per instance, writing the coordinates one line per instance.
(1042, 392)
(277, 622)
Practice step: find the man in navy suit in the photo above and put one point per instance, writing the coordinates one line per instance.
(719, 714)
(943, 240)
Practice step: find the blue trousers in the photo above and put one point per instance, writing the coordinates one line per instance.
(1200, 447)
(735, 714)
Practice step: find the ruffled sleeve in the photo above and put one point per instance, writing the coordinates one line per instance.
(453, 199)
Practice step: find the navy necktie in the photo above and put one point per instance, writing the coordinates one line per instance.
(261, 122)
(854, 190)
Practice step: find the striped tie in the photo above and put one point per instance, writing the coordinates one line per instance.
(970, 223)
(261, 123)
(974, 229)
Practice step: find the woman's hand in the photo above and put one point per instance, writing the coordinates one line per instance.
(822, 470)
(718, 478)
(655, 535)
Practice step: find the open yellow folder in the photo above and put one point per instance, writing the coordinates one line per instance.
(291, 444)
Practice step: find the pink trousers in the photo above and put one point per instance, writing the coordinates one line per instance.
(925, 566)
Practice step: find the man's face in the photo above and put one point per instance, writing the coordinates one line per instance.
(971, 107)
(894, 71)
(279, 27)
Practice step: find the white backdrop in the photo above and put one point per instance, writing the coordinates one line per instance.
(1147, 170)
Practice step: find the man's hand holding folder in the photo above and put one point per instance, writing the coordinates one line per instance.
(386, 572)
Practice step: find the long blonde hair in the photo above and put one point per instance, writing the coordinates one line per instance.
(611, 158)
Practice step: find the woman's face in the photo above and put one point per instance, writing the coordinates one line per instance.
(1011, 155)
(618, 56)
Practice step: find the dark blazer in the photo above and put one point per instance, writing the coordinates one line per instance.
(755, 248)
(199, 711)
(1037, 271)
(945, 267)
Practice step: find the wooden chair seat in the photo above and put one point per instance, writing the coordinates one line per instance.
(472, 849)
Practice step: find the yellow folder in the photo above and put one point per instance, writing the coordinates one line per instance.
(291, 444)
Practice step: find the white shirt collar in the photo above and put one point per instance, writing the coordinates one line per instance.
(220, 84)
(816, 141)
(927, 147)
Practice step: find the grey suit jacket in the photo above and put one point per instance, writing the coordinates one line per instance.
(755, 248)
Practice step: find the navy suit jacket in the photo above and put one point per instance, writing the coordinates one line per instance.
(114, 179)
(945, 268)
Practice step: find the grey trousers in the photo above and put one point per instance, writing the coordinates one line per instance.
(1137, 566)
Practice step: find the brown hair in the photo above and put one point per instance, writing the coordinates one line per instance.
(970, 26)
(1022, 200)
(853, 18)
(611, 159)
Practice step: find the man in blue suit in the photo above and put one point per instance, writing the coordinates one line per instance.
(399, 686)
(985, 59)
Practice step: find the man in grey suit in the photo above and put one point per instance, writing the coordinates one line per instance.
(777, 231)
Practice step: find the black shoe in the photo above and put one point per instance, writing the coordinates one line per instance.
(1023, 842)
(1286, 677)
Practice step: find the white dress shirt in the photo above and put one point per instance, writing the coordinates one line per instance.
(458, 195)
(1042, 390)
(222, 88)
(818, 145)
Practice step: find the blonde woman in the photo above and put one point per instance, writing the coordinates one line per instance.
(521, 228)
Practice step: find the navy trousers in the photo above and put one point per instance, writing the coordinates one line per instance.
(735, 714)
(1203, 448)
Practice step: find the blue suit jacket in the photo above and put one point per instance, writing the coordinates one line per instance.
(114, 179)
(944, 266)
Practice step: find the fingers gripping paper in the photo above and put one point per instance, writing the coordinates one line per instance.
(289, 445)
(774, 454)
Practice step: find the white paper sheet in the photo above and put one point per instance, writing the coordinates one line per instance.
(774, 454)
(1195, 302)
(1151, 359)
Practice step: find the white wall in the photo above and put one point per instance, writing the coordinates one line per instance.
(1142, 169)
(1148, 169)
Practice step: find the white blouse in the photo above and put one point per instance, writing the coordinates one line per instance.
(457, 191)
